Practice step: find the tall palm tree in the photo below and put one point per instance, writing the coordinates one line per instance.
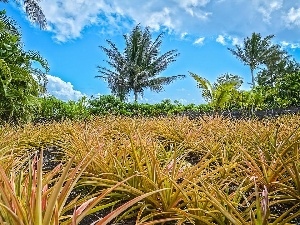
(254, 52)
(139, 66)
(33, 10)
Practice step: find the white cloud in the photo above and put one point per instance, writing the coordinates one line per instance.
(142, 98)
(266, 8)
(235, 41)
(68, 18)
(286, 44)
(193, 3)
(193, 8)
(225, 39)
(183, 35)
(295, 45)
(199, 41)
(293, 17)
(221, 39)
(61, 89)
(162, 17)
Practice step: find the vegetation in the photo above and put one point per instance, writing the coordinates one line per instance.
(53, 109)
(254, 52)
(277, 65)
(20, 83)
(31, 197)
(207, 171)
(138, 67)
(102, 160)
(221, 94)
(275, 70)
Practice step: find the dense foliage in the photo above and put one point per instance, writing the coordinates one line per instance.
(53, 109)
(277, 72)
(223, 94)
(20, 82)
(240, 104)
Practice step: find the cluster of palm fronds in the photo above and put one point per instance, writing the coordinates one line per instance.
(207, 171)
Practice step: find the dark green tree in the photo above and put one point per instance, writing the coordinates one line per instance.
(33, 10)
(284, 92)
(277, 65)
(20, 82)
(138, 67)
(288, 88)
(254, 52)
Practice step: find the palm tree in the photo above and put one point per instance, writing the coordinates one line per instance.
(33, 10)
(218, 95)
(254, 52)
(139, 66)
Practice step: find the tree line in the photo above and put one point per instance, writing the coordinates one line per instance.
(275, 84)
(275, 76)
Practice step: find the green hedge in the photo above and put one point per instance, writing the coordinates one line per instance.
(55, 109)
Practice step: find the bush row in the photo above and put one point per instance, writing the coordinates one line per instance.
(57, 110)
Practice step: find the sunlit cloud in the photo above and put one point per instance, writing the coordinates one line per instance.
(61, 89)
(199, 41)
(293, 17)
(68, 19)
(221, 39)
(286, 44)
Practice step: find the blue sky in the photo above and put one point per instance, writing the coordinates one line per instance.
(201, 31)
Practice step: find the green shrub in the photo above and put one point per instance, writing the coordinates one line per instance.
(107, 105)
(110, 105)
(56, 109)
(20, 82)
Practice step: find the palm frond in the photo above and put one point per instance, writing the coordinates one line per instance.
(203, 84)
(156, 84)
(35, 12)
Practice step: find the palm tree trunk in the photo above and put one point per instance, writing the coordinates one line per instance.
(135, 96)
(253, 80)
